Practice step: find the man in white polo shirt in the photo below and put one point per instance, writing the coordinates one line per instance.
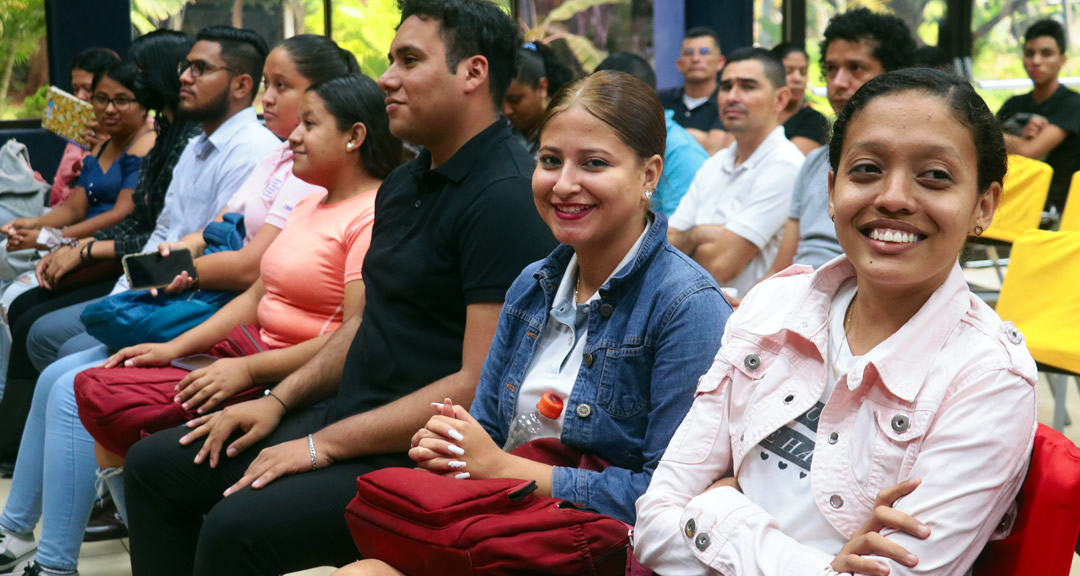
(731, 218)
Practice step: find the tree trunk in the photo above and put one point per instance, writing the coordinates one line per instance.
(38, 75)
(238, 14)
(5, 79)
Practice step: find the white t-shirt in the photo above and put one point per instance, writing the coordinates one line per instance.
(561, 348)
(752, 200)
(692, 103)
(776, 472)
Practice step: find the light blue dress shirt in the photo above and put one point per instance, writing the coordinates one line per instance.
(211, 169)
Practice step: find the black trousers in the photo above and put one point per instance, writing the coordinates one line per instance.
(21, 373)
(180, 524)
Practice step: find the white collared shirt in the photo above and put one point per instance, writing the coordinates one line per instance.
(207, 174)
(559, 352)
(751, 200)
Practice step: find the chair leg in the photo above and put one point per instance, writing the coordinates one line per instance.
(1059, 387)
(992, 254)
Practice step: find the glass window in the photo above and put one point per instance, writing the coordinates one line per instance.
(24, 71)
(589, 31)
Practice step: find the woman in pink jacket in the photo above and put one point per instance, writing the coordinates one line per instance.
(872, 417)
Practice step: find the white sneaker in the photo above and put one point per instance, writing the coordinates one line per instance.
(14, 550)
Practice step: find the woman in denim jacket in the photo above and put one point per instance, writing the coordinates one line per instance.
(873, 417)
(615, 321)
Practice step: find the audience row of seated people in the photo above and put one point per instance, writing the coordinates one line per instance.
(371, 286)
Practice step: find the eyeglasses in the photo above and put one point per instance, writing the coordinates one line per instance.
(703, 50)
(120, 102)
(198, 68)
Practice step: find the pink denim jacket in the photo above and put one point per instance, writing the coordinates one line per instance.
(948, 398)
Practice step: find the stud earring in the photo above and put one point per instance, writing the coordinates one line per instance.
(978, 230)
(649, 193)
(349, 146)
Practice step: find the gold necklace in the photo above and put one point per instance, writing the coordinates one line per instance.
(577, 285)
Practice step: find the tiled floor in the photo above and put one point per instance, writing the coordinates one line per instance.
(111, 558)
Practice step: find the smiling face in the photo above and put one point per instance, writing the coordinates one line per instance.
(795, 67)
(589, 185)
(905, 197)
(848, 65)
(1042, 59)
(284, 87)
(422, 95)
(110, 118)
(319, 148)
(524, 105)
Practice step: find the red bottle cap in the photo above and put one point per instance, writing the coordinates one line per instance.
(550, 405)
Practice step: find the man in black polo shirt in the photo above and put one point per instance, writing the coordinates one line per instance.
(452, 230)
(695, 104)
(1045, 123)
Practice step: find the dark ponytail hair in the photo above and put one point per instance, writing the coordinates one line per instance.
(966, 105)
(538, 61)
(356, 98)
(318, 58)
(156, 54)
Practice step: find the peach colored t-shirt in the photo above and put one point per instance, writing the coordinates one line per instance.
(306, 268)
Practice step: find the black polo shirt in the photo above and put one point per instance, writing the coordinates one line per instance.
(705, 117)
(442, 239)
(808, 123)
(1062, 109)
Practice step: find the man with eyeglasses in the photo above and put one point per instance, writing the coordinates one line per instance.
(695, 103)
(218, 83)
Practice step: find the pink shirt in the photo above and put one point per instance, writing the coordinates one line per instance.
(306, 268)
(66, 174)
(270, 193)
(949, 398)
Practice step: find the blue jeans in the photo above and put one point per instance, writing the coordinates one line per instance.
(50, 332)
(56, 468)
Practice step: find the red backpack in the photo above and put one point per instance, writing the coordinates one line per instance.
(423, 523)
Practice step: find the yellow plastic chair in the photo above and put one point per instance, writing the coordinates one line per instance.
(1039, 295)
(1023, 197)
(1070, 218)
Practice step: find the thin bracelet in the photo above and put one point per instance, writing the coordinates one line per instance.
(311, 448)
(275, 397)
(82, 253)
(90, 251)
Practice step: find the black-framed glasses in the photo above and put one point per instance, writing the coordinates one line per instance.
(199, 67)
(702, 50)
(102, 101)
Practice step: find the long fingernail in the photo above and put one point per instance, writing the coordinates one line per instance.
(456, 449)
(231, 451)
(437, 404)
(455, 434)
(227, 492)
(456, 464)
(462, 476)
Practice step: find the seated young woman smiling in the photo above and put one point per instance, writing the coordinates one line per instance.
(873, 416)
(615, 321)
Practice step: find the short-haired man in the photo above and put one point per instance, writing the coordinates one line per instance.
(695, 102)
(452, 230)
(683, 156)
(730, 220)
(1045, 123)
(858, 45)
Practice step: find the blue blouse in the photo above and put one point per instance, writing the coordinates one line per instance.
(103, 188)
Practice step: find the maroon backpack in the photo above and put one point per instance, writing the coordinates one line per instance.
(423, 523)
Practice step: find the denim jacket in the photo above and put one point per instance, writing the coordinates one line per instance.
(652, 333)
(948, 398)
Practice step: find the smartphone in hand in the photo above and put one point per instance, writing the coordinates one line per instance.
(193, 362)
(152, 270)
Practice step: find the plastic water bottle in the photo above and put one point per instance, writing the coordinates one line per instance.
(544, 423)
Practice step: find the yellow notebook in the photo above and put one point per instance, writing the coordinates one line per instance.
(67, 117)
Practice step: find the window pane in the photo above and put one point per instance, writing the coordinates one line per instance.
(24, 73)
(592, 32)
(275, 20)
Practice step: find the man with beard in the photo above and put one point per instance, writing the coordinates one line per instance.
(730, 219)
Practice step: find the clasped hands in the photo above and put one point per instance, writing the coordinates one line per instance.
(453, 443)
